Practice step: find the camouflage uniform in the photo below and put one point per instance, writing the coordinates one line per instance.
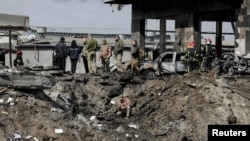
(135, 54)
(104, 55)
(118, 53)
(91, 48)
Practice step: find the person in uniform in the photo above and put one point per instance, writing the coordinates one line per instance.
(191, 56)
(104, 55)
(19, 59)
(61, 53)
(208, 54)
(118, 52)
(91, 48)
(135, 55)
(2, 56)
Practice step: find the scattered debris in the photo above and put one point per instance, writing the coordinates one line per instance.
(3, 90)
(59, 131)
(79, 107)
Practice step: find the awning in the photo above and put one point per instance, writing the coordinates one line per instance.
(13, 22)
(117, 1)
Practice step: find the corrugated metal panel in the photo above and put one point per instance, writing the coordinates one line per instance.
(87, 30)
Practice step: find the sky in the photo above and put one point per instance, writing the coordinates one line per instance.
(81, 13)
(69, 13)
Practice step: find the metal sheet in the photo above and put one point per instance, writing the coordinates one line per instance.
(15, 22)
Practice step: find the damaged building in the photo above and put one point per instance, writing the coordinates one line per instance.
(188, 16)
(38, 105)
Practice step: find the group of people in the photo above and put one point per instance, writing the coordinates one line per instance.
(18, 61)
(202, 57)
(89, 54)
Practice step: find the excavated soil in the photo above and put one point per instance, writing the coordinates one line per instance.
(170, 108)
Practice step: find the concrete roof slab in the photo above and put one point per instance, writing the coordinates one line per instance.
(14, 22)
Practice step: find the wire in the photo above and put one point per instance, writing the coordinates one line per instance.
(4, 4)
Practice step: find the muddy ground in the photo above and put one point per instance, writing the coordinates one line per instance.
(171, 108)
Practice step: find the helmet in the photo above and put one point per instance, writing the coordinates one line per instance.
(208, 41)
(19, 52)
(192, 44)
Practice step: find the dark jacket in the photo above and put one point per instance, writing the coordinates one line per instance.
(61, 50)
(18, 61)
(207, 51)
(74, 52)
(191, 54)
(2, 57)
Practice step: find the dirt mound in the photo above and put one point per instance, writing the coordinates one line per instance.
(174, 108)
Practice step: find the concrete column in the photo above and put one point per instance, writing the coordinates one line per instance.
(218, 42)
(162, 35)
(242, 33)
(138, 31)
(186, 30)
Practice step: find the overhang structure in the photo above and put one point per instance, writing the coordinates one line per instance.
(188, 15)
(10, 22)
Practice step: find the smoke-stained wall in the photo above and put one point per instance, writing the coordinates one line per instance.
(242, 33)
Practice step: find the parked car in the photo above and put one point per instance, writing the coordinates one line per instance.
(166, 63)
(169, 62)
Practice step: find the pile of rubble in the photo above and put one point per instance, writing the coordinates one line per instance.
(78, 107)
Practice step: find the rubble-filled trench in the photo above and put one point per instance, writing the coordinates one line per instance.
(171, 108)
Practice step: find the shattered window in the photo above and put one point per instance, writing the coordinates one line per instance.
(167, 58)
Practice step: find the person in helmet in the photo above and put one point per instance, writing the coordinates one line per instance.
(2, 56)
(191, 56)
(208, 54)
(19, 59)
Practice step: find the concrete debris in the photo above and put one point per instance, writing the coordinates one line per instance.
(135, 126)
(16, 136)
(27, 78)
(79, 107)
(92, 118)
(10, 102)
(58, 131)
(120, 129)
(3, 90)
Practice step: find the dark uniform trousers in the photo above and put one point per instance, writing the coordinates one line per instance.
(192, 59)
